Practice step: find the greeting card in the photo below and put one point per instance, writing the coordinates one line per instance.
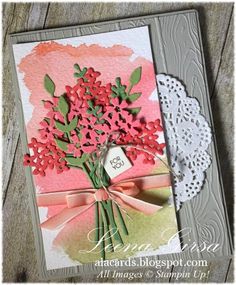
(96, 147)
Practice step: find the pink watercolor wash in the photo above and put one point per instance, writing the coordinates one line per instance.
(58, 61)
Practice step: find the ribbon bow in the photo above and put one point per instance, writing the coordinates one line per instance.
(78, 201)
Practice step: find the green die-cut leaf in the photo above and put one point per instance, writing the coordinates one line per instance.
(49, 85)
(119, 90)
(82, 73)
(134, 111)
(73, 160)
(67, 128)
(77, 161)
(61, 144)
(90, 103)
(60, 126)
(63, 106)
(73, 124)
(79, 73)
(133, 97)
(102, 121)
(135, 76)
(76, 66)
(99, 115)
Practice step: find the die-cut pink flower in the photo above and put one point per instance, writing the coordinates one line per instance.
(72, 93)
(49, 131)
(45, 155)
(100, 116)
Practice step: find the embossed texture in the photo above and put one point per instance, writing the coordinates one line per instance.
(175, 39)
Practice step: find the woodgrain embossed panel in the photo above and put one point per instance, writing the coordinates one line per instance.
(177, 50)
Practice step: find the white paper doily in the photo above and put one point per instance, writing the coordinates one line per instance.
(188, 137)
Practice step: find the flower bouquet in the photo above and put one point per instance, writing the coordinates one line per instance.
(77, 127)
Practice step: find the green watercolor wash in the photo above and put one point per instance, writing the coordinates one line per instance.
(142, 228)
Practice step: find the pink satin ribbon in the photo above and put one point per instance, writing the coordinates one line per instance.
(78, 201)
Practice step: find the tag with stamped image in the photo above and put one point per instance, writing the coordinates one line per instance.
(116, 162)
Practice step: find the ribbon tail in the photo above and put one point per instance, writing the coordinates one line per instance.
(64, 217)
(150, 182)
(139, 205)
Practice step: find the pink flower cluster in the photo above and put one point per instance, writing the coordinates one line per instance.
(144, 142)
(45, 155)
(97, 113)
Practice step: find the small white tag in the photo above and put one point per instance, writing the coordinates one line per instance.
(116, 162)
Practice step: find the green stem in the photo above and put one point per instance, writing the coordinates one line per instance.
(86, 171)
(108, 207)
(96, 222)
(121, 219)
(101, 234)
(101, 221)
(69, 137)
(67, 133)
(73, 166)
(106, 225)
